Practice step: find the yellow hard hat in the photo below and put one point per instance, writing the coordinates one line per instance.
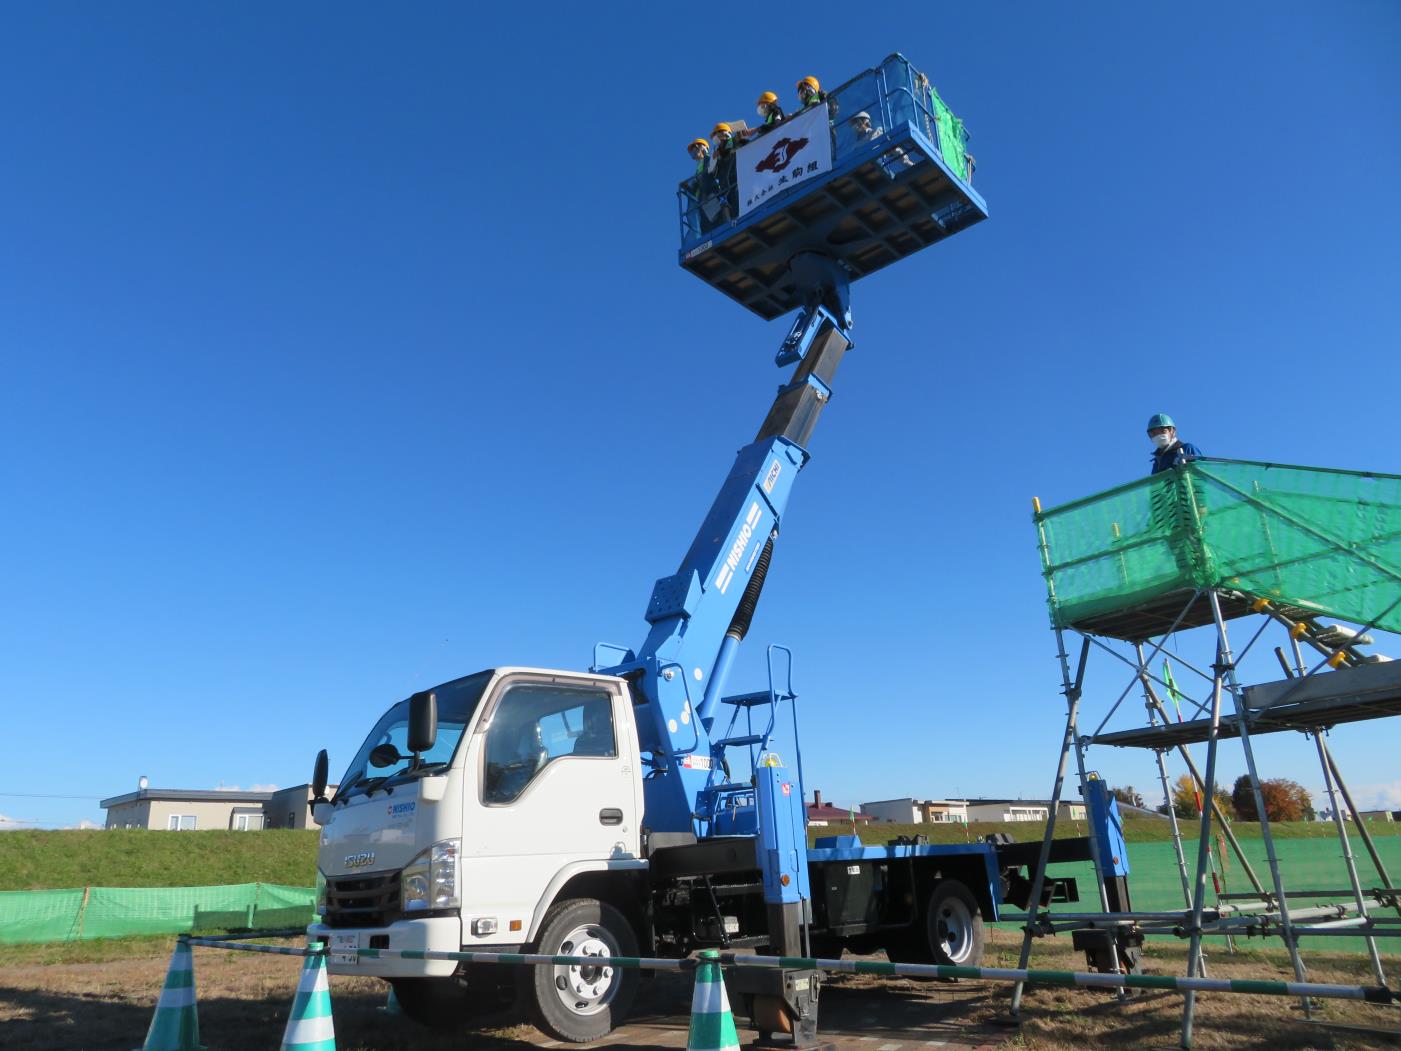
(722, 126)
(767, 98)
(697, 142)
(810, 82)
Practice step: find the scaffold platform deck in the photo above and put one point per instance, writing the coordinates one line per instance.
(1348, 695)
(1174, 610)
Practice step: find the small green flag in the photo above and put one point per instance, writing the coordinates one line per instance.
(1172, 687)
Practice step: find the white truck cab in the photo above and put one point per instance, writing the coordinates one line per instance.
(529, 780)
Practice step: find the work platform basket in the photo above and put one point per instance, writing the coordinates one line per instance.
(819, 183)
(1123, 562)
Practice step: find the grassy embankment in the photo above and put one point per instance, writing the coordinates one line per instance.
(1138, 830)
(37, 860)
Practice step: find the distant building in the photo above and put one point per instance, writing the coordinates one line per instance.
(186, 810)
(291, 807)
(1023, 810)
(820, 813)
(910, 811)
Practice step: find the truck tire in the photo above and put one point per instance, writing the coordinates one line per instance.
(582, 1003)
(953, 925)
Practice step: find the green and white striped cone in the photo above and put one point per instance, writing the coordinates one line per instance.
(310, 1028)
(175, 1025)
(712, 1023)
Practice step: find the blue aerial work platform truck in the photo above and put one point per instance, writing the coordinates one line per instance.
(638, 807)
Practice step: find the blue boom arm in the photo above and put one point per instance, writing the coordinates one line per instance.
(700, 614)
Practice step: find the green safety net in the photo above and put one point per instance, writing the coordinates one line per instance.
(1155, 880)
(951, 134)
(1323, 540)
(115, 912)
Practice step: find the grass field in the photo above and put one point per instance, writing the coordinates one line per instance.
(38, 860)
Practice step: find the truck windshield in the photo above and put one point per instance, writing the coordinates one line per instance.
(457, 700)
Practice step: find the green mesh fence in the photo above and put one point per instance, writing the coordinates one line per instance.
(115, 912)
(1155, 884)
(1327, 541)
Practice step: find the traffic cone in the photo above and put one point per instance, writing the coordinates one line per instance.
(391, 1004)
(309, 1027)
(175, 1025)
(712, 1024)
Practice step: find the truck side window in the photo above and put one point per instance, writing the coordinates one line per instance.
(536, 723)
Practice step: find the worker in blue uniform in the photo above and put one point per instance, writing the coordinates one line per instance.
(1168, 451)
(1175, 506)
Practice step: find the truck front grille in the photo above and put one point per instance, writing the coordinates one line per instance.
(369, 900)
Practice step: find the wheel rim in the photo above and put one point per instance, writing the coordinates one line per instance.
(953, 927)
(586, 989)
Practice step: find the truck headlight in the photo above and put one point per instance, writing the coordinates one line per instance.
(429, 881)
(320, 892)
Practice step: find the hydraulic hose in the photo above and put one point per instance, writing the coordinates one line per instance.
(734, 635)
(749, 601)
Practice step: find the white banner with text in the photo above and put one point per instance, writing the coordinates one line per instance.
(797, 150)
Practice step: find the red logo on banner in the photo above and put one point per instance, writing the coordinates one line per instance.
(787, 789)
(782, 154)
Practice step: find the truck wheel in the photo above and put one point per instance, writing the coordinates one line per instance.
(953, 925)
(583, 1003)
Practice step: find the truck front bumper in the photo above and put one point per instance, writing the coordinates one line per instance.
(434, 933)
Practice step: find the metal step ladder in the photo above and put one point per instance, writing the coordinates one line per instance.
(731, 792)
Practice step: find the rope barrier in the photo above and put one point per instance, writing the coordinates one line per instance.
(648, 963)
(1369, 993)
(1373, 994)
(272, 950)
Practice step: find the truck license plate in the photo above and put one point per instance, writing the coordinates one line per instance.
(343, 949)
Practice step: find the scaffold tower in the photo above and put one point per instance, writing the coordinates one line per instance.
(1130, 573)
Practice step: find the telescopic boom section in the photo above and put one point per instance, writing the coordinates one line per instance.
(700, 614)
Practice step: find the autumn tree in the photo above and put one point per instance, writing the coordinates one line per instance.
(1285, 800)
(1127, 796)
(1184, 797)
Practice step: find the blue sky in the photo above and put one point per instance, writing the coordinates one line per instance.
(345, 352)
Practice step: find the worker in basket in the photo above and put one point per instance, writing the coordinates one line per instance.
(771, 114)
(708, 204)
(725, 143)
(862, 131)
(810, 92)
(1168, 450)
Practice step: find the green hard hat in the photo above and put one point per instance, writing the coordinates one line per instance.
(1160, 419)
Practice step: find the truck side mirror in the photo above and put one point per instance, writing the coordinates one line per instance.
(423, 721)
(318, 777)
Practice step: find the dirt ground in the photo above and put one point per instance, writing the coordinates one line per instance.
(105, 1004)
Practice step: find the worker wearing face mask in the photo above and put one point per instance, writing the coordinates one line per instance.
(810, 93)
(708, 205)
(1168, 451)
(723, 137)
(771, 114)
